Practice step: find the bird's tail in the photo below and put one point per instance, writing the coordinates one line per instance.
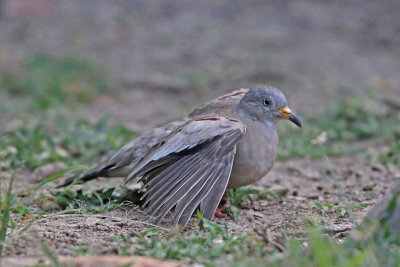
(102, 170)
(92, 174)
(79, 179)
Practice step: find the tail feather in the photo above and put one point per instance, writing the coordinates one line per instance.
(91, 175)
(78, 179)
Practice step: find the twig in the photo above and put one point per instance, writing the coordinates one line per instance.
(338, 185)
(268, 240)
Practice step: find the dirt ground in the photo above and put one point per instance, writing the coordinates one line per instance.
(167, 56)
(302, 182)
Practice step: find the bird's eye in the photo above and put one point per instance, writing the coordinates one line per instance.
(266, 102)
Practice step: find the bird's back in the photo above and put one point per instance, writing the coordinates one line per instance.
(122, 162)
(223, 105)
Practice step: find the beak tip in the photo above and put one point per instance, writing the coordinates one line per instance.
(300, 124)
(293, 118)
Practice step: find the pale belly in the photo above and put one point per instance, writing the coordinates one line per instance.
(253, 160)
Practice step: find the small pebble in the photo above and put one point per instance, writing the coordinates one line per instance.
(369, 187)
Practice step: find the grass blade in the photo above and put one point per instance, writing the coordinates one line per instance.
(5, 216)
(57, 175)
(52, 257)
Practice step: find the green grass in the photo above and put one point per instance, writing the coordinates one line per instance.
(337, 210)
(321, 251)
(217, 246)
(51, 81)
(237, 196)
(199, 246)
(88, 200)
(5, 207)
(43, 93)
(66, 139)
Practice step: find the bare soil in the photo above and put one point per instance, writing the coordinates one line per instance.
(302, 182)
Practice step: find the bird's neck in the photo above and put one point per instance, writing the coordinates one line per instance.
(249, 119)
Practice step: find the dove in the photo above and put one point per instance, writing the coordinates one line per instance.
(188, 164)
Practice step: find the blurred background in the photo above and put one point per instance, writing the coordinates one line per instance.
(145, 62)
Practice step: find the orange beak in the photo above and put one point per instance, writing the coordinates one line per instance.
(287, 114)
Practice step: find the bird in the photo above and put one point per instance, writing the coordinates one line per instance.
(229, 142)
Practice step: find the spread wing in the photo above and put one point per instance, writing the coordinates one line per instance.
(190, 167)
(135, 150)
(121, 163)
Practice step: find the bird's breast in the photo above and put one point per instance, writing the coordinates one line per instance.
(255, 156)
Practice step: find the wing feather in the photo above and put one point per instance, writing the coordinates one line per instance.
(185, 180)
(213, 197)
(192, 135)
(186, 185)
(181, 190)
(187, 167)
(193, 167)
(219, 181)
(177, 198)
(167, 177)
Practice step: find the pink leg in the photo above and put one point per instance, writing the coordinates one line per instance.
(218, 213)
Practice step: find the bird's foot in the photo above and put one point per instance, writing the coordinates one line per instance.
(219, 212)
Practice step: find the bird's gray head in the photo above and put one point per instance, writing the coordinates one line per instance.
(265, 104)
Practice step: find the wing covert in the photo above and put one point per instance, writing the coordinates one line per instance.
(195, 165)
